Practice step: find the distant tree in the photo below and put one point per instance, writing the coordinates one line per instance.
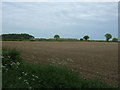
(56, 37)
(81, 39)
(115, 40)
(108, 36)
(86, 37)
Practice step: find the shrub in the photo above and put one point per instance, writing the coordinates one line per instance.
(81, 39)
(115, 40)
(10, 59)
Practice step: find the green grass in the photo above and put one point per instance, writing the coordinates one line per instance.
(19, 74)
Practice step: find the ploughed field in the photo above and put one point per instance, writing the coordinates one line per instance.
(91, 59)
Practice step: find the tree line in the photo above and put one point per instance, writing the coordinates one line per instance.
(107, 36)
(24, 36)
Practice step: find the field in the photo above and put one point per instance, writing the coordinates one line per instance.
(91, 59)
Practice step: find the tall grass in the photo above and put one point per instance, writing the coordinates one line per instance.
(18, 74)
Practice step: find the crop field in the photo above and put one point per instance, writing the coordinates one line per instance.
(91, 59)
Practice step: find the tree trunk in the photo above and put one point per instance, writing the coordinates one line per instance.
(107, 39)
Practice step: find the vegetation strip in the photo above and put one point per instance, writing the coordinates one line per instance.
(27, 37)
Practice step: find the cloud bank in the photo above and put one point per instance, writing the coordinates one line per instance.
(72, 20)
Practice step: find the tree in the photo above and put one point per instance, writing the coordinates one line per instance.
(115, 40)
(56, 37)
(108, 36)
(81, 39)
(86, 37)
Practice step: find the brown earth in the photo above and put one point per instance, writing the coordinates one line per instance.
(91, 59)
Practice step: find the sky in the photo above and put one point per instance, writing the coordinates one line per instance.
(67, 19)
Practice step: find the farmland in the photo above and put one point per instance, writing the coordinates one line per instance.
(91, 59)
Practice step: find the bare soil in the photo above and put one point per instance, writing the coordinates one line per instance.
(91, 59)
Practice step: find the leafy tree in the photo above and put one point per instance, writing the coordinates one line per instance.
(86, 37)
(81, 39)
(108, 36)
(114, 39)
(56, 37)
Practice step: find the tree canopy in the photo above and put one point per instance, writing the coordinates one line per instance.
(22, 36)
(56, 37)
(115, 39)
(108, 36)
(86, 37)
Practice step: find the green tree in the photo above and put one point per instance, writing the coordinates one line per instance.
(108, 36)
(56, 37)
(86, 37)
(81, 39)
(115, 40)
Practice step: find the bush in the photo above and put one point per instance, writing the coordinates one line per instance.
(81, 39)
(115, 40)
(10, 59)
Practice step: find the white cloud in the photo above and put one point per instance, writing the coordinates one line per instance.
(56, 12)
(60, 0)
(47, 16)
(0, 18)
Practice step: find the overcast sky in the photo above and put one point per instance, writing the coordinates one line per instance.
(69, 20)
